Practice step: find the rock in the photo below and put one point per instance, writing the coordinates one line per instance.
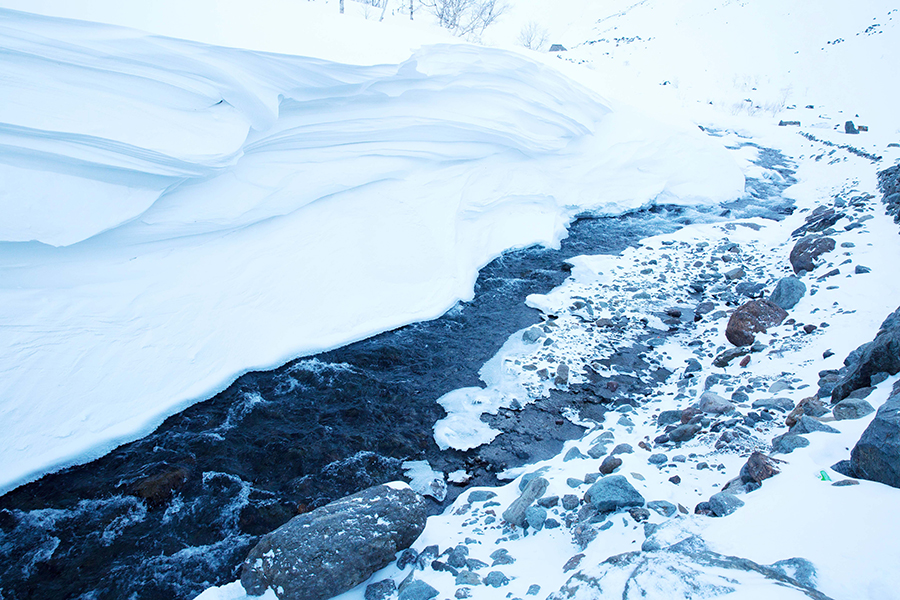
(876, 456)
(788, 293)
(713, 403)
(456, 557)
(572, 563)
(861, 270)
(622, 449)
(734, 274)
(845, 483)
(675, 479)
(562, 374)
(807, 424)
(753, 317)
(481, 495)
(597, 450)
(668, 417)
(779, 404)
(548, 501)
(723, 504)
(532, 334)
(501, 557)
(417, 590)
(684, 433)
(610, 464)
(808, 249)
(515, 514)
(850, 128)
(591, 477)
(861, 393)
(381, 590)
(787, 443)
(496, 579)
(427, 556)
(158, 489)
(573, 454)
(535, 517)
(666, 509)
(758, 468)
(881, 354)
(612, 493)
(570, 502)
(750, 289)
(852, 408)
(316, 556)
(725, 358)
(533, 590)
(468, 578)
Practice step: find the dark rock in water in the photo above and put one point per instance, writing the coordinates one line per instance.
(852, 408)
(316, 556)
(807, 250)
(610, 464)
(876, 456)
(381, 590)
(418, 590)
(881, 354)
(849, 127)
(758, 468)
(807, 424)
(612, 493)
(787, 443)
(683, 433)
(788, 293)
(515, 514)
(723, 504)
(158, 489)
(753, 317)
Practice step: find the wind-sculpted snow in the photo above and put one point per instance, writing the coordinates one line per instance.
(176, 214)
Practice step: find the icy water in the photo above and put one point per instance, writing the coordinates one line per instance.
(171, 514)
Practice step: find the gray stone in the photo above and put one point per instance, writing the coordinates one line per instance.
(876, 456)
(622, 449)
(316, 556)
(807, 424)
(612, 493)
(724, 358)
(501, 557)
(684, 433)
(532, 334)
(481, 495)
(473, 564)
(861, 393)
(456, 557)
(548, 501)
(533, 590)
(527, 477)
(713, 403)
(881, 354)
(570, 502)
(779, 404)
(757, 469)
(418, 590)
(573, 454)
(861, 270)
(591, 477)
(573, 482)
(515, 514)
(852, 408)
(668, 417)
(597, 450)
(381, 590)
(468, 578)
(723, 504)
(535, 517)
(787, 443)
(666, 509)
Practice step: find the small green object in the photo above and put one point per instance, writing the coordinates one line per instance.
(824, 476)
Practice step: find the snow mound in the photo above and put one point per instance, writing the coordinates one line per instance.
(176, 214)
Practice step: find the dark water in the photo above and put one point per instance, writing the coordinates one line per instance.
(171, 514)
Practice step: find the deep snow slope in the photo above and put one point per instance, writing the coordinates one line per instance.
(177, 214)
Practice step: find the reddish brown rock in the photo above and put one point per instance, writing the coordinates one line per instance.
(807, 250)
(753, 317)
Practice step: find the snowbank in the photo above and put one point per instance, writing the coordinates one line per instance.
(177, 214)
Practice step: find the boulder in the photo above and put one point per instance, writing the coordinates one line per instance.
(610, 464)
(515, 514)
(758, 468)
(787, 443)
(811, 406)
(881, 354)
(852, 408)
(711, 402)
(808, 249)
(876, 456)
(323, 553)
(723, 504)
(807, 424)
(683, 433)
(788, 293)
(612, 493)
(753, 317)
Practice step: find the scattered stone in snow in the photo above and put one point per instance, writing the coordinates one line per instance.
(666, 509)
(787, 443)
(496, 579)
(758, 468)
(570, 502)
(684, 433)
(612, 493)
(755, 316)
(622, 449)
(381, 590)
(481, 495)
(501, 557)
(418, 590)
(780, 404)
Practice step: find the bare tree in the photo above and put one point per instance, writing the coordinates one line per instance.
(342, 6)
(533, 36)
(466, 17)
(410, 10)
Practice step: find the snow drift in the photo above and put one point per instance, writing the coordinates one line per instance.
(175, 214)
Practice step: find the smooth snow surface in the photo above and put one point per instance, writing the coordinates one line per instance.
(176, 214)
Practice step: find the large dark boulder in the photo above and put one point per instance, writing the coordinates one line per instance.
(332, 549)
(807, 250)
(881, 355)
(876, 456)
(753, 317)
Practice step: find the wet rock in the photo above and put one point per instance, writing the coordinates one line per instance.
(723, 504)
(787, 443)
(788, 293)
(758, 468)
(159, 489)
(610, 464)
(852, 408)
(881, 354)
(807, 250)
(876, 456)
(515, 514)
(315, 556)
(612, 493)
(756, 316)
(807, 424)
